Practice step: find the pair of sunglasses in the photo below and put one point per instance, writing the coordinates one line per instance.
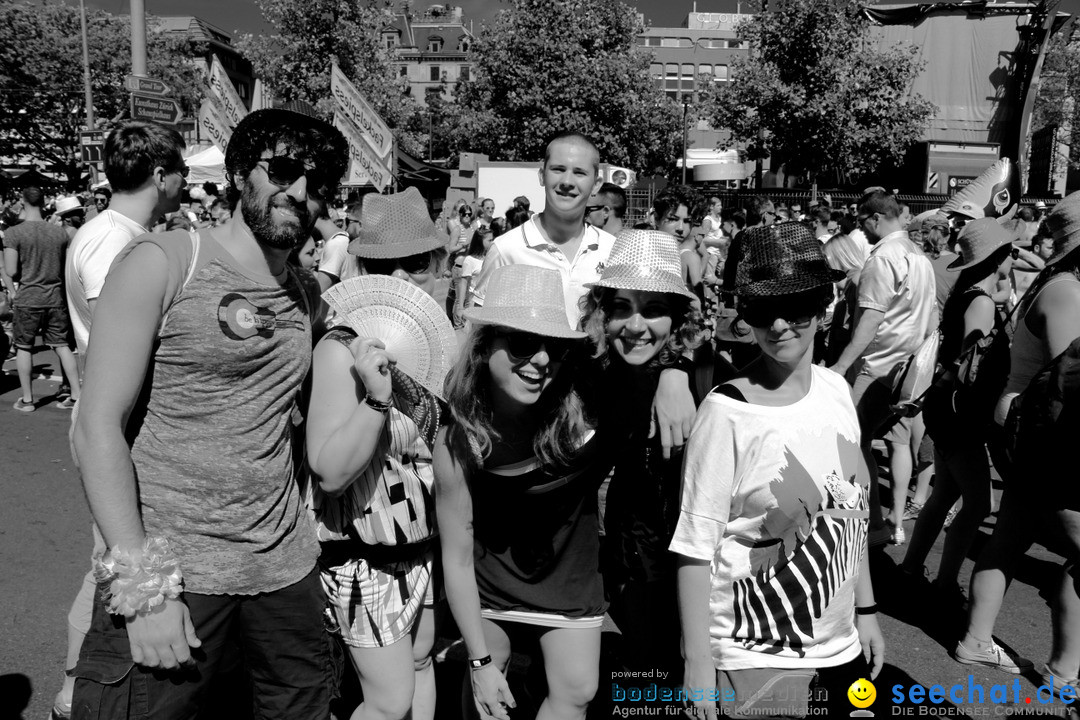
(284, 170)
(763, 315)
(523, 345)
(418, 264)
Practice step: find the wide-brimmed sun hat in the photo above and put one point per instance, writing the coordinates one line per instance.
(979, 240)
(396, 226)
(410, 323)
(643, 260)
(1063, 224)
(779, 259)
(526, 298)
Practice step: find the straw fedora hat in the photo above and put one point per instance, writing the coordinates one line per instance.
(526, 298)
(68, 204)
(1063, 224)
(396, 226)
(643, 260)
(979, 240)
(779, 259)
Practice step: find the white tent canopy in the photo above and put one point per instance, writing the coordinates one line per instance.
(206, 166)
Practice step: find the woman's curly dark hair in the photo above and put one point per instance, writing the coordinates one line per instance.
(687, 327)
(304, 136)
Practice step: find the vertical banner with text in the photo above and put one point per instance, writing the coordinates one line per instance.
(370, 140)
(214, 125)
(232, 107)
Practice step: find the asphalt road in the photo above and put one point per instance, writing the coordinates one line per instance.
(45, 543)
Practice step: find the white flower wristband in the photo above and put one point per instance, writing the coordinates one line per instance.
(140, 579)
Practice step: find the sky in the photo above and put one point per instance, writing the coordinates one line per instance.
(241, 16)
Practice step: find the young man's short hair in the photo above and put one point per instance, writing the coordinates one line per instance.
(33, 196)
(671, 197)
(733, 215)
(575, 137)
(616, 198)
(103, 191)
(135, 148)
(756, 209)
(821, 215)
(879, 200)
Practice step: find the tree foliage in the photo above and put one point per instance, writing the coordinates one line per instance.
(42, 106)
(294, 62)
(817, 93)
(544, 67)
(1059, 85)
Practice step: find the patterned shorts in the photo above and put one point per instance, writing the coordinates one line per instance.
(376, 606)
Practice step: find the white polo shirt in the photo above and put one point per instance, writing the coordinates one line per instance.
(526, 245)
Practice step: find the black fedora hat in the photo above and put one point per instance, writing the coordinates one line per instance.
(780, 259)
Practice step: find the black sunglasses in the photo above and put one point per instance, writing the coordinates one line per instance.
(763, 315)
(284, 170)
(413, 264)
(523, 345)
(593, 208)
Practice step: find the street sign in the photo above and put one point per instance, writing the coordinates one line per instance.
(146, 86)
(92, 146)
(155, 109)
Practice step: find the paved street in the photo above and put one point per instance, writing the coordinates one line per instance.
(45, 541)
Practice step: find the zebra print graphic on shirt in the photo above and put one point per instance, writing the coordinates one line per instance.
(798, 574)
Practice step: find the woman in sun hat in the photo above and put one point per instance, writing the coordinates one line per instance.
(773, 578)
(1039, 492)
(961, 466)
(640, 318)
(517, 472)
(373, 503)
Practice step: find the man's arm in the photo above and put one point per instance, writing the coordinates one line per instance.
(865, 332)
(122, 343)
(10, 269)
(493, 259)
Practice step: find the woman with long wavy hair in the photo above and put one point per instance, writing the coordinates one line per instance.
(517, 472)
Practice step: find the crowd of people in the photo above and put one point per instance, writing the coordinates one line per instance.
(670, 424)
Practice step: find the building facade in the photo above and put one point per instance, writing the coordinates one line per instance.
(431, 49)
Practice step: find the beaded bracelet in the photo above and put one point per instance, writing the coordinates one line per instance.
(141, 579)
(376, 404)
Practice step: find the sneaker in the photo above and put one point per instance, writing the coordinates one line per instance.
(60, 713)
(898, 536)
(912, 510)
(1055, 680)
(64, 392)
(67, 403)
(992, 656)
(23, 406)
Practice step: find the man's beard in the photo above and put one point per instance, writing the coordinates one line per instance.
(258, 216)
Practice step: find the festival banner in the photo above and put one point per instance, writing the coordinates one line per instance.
(352, 105)
(214, 125)
(232, 106)
(364, 166)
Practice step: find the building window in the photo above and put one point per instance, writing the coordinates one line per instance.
(686, 79)
(646, 41)
(720, 73)
(734, 43)
(434, 44)
(676, 42)
(704, 69)
(671, 80)
(390, 40)
(714, 43)
(463, 44)
(465, 73)
(403, 71)
(436, 73)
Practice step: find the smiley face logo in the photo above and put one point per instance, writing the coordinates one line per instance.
(862, 693)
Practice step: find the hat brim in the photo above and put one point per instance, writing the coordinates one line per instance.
(789, 286)
(656, 282)
(958, 264)
(524, 319)
(395, 250)
(1065, 251)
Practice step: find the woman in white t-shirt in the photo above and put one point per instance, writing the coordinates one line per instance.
(773, 578)
(465, 267)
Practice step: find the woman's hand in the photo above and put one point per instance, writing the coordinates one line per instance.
(700, 676)
(491, 692)
(872, 641)
(372, 363)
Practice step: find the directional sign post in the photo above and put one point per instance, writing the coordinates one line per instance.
(146, 86)
(155, 109)
(92, 148)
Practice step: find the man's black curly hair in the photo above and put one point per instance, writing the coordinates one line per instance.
(304, 136)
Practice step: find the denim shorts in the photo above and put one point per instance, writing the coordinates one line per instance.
(281, 634)
(53, 323)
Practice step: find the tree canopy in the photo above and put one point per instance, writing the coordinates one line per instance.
(817, 93)
(294, 62)
(544, 67)
(1059, 84)
(42, 107)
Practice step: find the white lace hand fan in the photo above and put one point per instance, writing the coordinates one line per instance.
(408, 321)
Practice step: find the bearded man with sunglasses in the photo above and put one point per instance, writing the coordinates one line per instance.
(184, 437)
